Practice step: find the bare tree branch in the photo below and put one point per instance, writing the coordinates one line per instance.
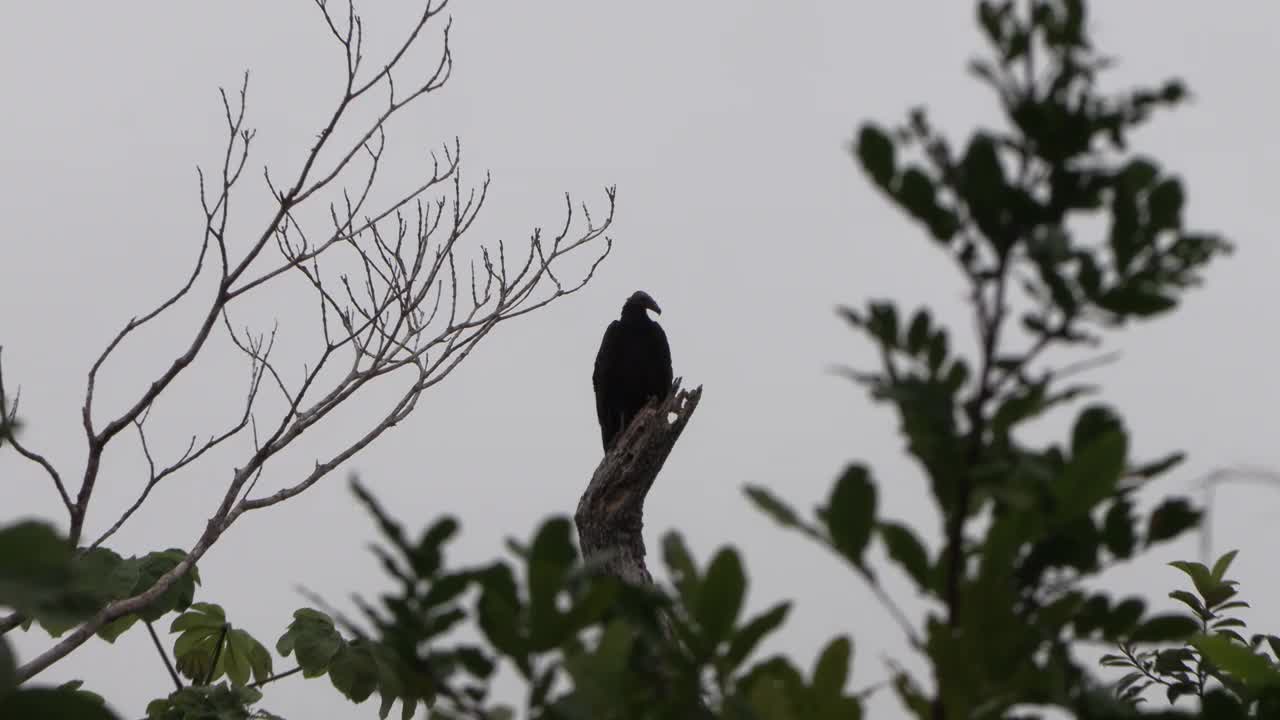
(387, 290)
(7, 420)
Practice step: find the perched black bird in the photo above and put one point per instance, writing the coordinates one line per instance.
(633, 365)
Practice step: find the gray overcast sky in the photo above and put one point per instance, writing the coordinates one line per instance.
(724, 125)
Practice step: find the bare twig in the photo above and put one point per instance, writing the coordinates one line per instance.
(277, 676)
(7, 418)
(390, 307)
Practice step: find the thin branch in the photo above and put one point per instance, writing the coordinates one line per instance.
(390, 321)
(177, 682)
(277, 676)
(7, 417)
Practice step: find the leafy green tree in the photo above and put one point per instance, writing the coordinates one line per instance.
(1026, 526)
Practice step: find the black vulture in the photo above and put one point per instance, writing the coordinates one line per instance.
(633, 365)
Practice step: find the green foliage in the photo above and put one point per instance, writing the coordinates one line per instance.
(1013, 607)
(49, 582)
(209, 702)
(586, 644)
(37, 574)
(209, 647)
(144, 571)
(1026, 528)
(1229, 675)
(357, 667)
(63, 702)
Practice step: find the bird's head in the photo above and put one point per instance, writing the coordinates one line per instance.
(639, 302)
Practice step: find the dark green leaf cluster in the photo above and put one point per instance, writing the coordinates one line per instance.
(40, 576)
(356, 666)
(1024, 527)
(1231, 677)
(49, 582)
(586, 644)
(209, 702)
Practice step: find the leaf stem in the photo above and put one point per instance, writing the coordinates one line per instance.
(278, 676)
(168, 664)
(217, 653)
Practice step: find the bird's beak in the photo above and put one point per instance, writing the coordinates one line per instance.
(654, 306)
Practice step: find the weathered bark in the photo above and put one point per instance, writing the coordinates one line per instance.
(610, 516)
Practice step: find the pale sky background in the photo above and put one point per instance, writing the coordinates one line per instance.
(724, 125)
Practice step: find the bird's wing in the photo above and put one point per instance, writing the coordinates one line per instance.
(601, 378)
(607, 357)
(663, 357)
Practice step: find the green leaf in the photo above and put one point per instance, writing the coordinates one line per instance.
(1138, 174)
(883, 323)
(831, 672)
(745, 640)
(353, 672)
(117, 627)
(1211, 590)
(1133, 299)
(1164, 205)
(1094, 423)
(312, 639)
(918, 332)
(1165, 628)
(1095, 467)
(916, 194)
(52, 703)
(446, 588)
(36, 575)
(875, 151)
(427, 556)
(720, 599)
(907, 550)
(200, 615)
(178, 596)
(498, 611)
(1124, 616)
(1224, 562)
(983, 174)
(234, 660)
(1189, 600)
(1254, 670)
(850, 513)
(684, 575)
(209, 702)
(1118, 530)
(99, 576)
(551, 555)
(772, 506)
(1170, 519)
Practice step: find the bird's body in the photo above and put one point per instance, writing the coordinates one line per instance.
(632, 366)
